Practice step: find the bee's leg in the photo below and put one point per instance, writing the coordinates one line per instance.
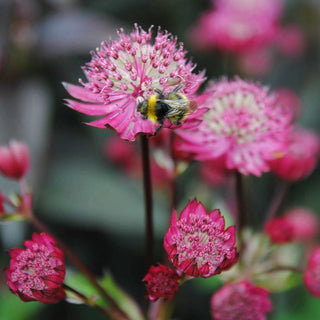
(178, 87)
(158, 129)
(159, 92)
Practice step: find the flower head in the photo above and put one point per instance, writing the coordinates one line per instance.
(304, 222)
(126, 71)
(14, 160)
(198, 244)
(37, 272)
(311, 275)
(300, 158)
(242, 124)
(161, 282)
(239, 26)
(280, 230)
(240, 301)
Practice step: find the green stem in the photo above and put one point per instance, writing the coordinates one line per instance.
(277, 200)
(242, 214)
(147, 187)
(82, 268)
(88, 302)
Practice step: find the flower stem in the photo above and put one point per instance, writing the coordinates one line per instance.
(147, 187)
(82, 268)
(107, 312)
(173, 179)
(277, 200)
(241, 209)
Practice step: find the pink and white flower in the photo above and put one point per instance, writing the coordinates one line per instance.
(126, 71)
(242, 124)
(198, 244)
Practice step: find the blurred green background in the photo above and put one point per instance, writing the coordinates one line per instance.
(89, 202)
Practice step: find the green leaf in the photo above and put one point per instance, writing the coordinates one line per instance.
(125, 302)
(14, 309)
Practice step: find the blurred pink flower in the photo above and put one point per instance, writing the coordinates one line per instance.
(242, 124)
(240, 301)
(14, 160)
(311, 275)
(37, 272)
(239, 26)
(289, 102)
(256, 62)
(198, 244)
(300, 158)
(161, 282)
(304, 222)
(214, 172)
(124, 72)
(280, 230)
(291, 41)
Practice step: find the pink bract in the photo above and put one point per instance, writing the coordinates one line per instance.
(198, 244)
(161, 282)
(37, 272)
(126, 71)
(301, 156)
(14, 160)
(311, 275)
(242, 124)
(240, 301)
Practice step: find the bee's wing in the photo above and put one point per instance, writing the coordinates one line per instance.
(176, 106)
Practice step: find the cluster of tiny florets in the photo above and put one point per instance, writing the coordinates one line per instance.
(198, 244)
(126, 71)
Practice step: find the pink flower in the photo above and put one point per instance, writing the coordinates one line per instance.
(304, 222)
(124, 72)
(239, 26)
(240, 301)
(291, 41)
(280, 230)
(214, 172)
(242, 124)
(311, 275)
(300, 158)
(256, 62)
(37, 272)
(198, 244)
(161, 282)
(289, 102)
(14, 160)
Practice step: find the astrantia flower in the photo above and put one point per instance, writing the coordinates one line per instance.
(305, 223)
(14, 160)
(280, 230)
(124, 72)
(239, 26)
(242, 124)
(161, 282)
(198, 244)
(311, 275)
(300, 158)
(240, 301)
(37, 272)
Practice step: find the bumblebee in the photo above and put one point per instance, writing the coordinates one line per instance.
(175, 107)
